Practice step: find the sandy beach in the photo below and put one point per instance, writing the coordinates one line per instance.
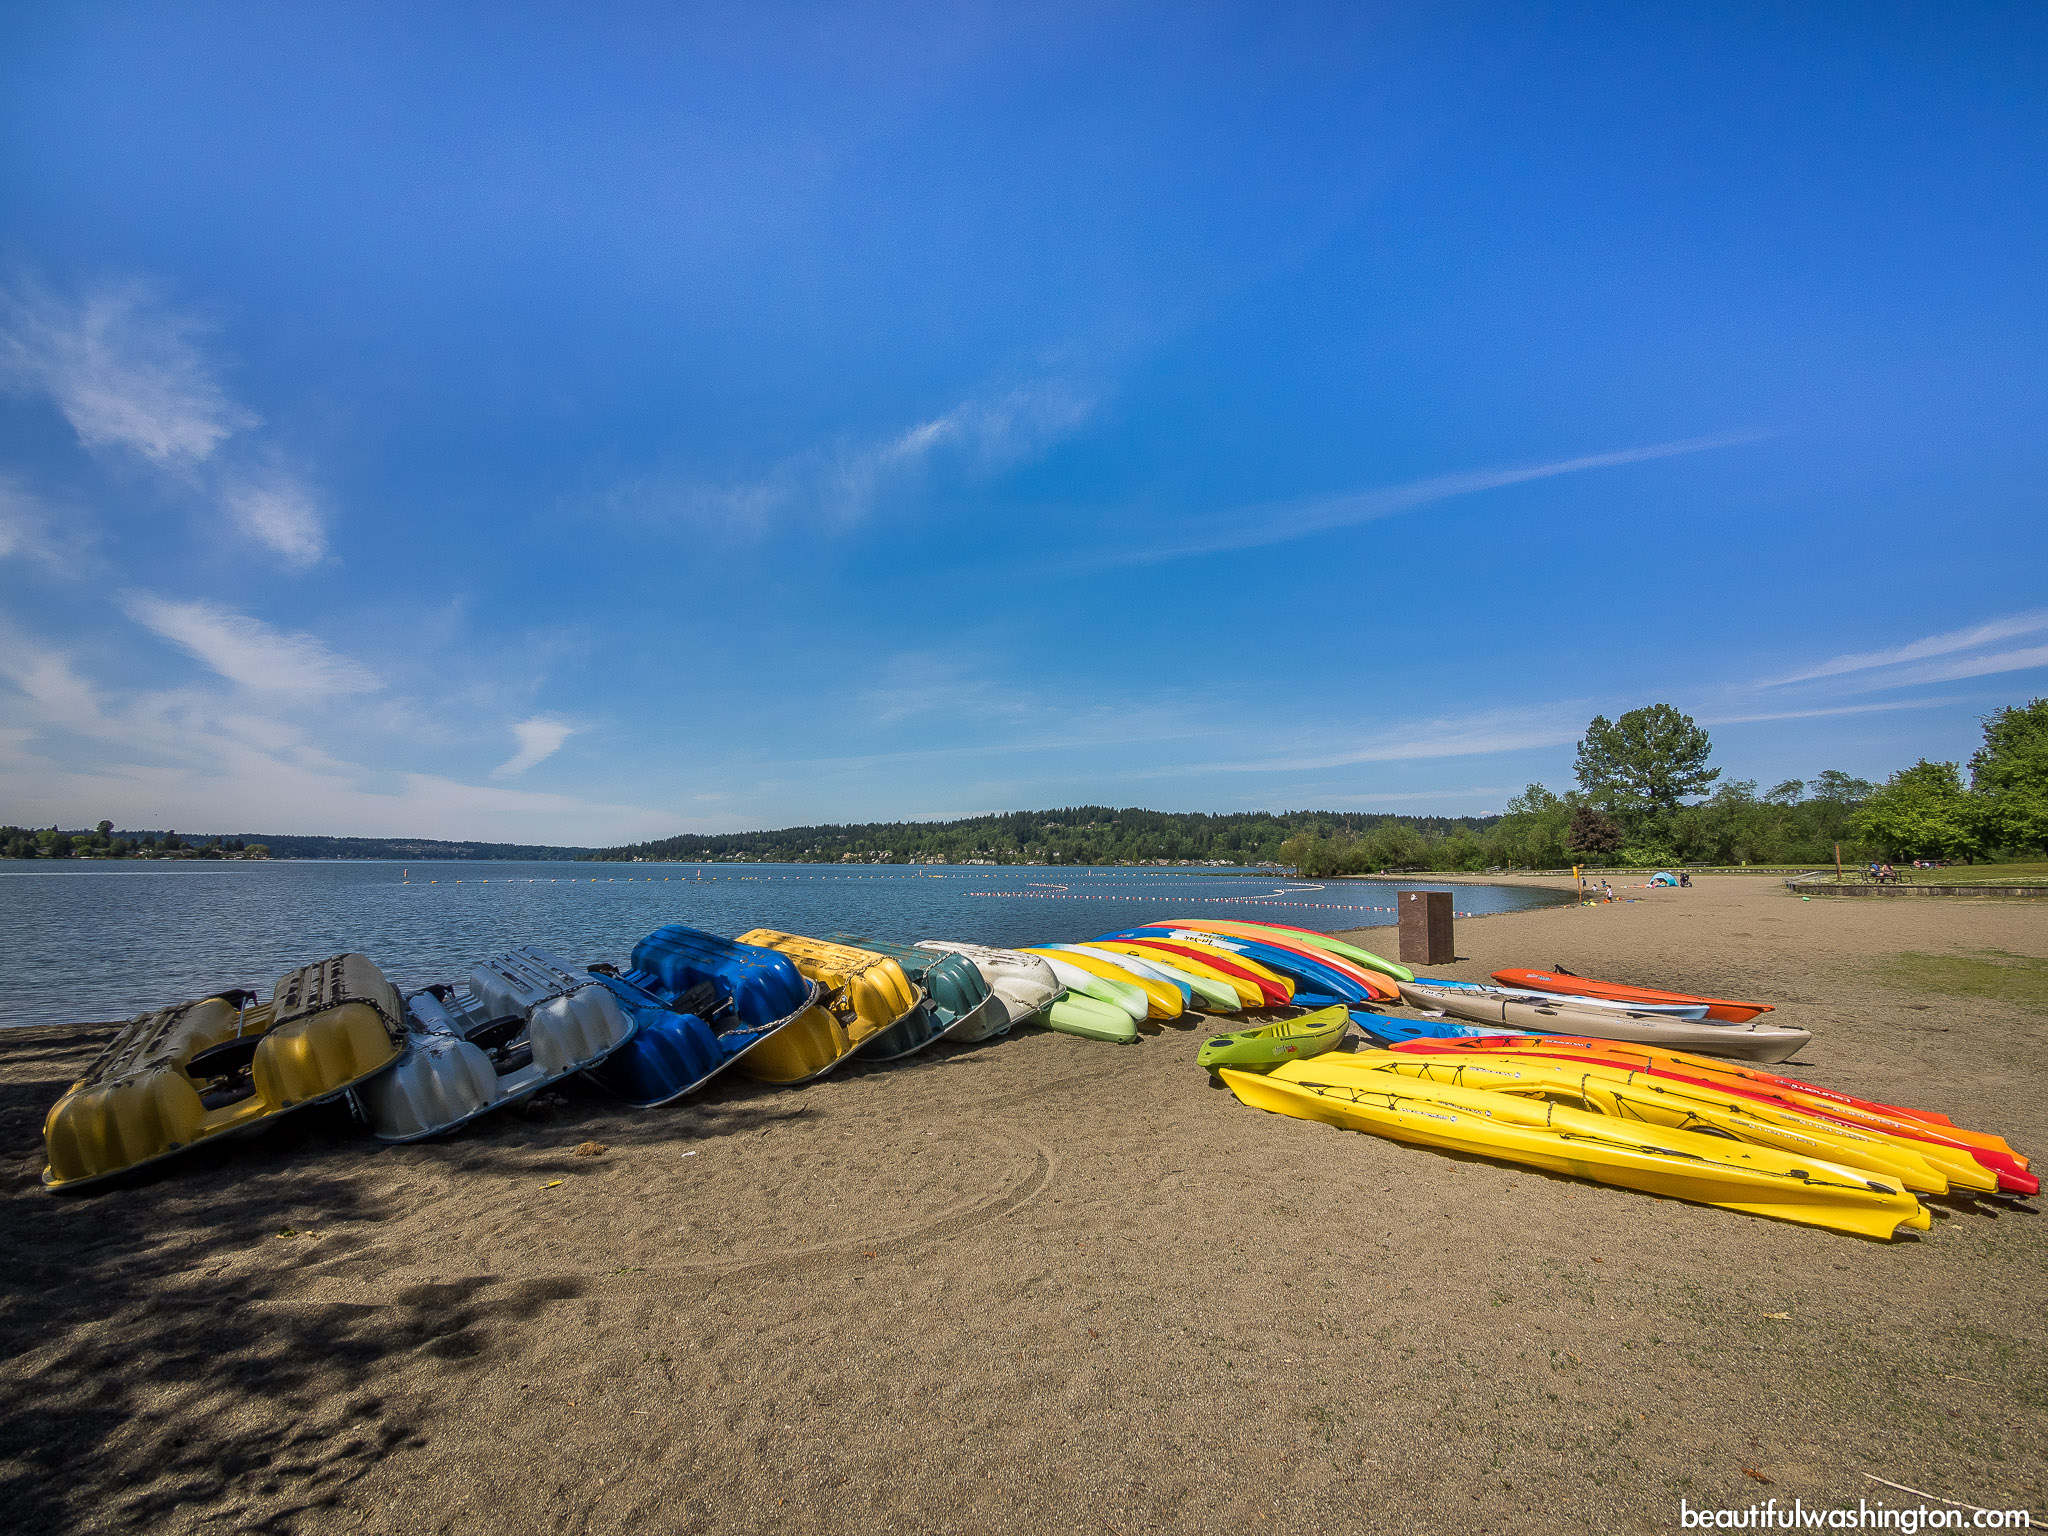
(1042, 1285)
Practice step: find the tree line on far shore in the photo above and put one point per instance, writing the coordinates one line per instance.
(102, 842)
(1646, 797)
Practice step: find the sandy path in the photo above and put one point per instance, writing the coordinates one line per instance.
(1041, 1284)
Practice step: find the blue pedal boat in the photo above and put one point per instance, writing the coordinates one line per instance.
(701, 1003)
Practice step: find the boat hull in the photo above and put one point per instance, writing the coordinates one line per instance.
(182, 1076)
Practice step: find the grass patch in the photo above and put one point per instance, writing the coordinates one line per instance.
(1984, 874)
(2021, 980)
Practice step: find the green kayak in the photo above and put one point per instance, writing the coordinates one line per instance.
(1351, 952)
(1257, 1050)
(1073, 1013)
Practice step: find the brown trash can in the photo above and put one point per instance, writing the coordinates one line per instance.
(1426, 928)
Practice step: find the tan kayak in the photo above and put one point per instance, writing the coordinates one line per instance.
(1740, 1042)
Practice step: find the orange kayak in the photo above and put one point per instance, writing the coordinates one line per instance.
(1617, 992)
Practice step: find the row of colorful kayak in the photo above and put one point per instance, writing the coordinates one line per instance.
(1665, 1122)
(776, 1007)
(1543, 1068)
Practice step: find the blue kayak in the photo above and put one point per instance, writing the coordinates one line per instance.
(1316, 985)
(1385, 1030)
(701, 1003)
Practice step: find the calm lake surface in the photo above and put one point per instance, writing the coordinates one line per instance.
(88, 940)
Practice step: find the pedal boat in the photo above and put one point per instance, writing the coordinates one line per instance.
(1034, 994)
(181, 1076)
(965, 1007)
(1025, 983)
(702, 1003)
(869, 1008)
(520, 1022)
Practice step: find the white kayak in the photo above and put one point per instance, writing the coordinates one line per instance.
(1212, 995)
(1741, 1042)
(1523, 995)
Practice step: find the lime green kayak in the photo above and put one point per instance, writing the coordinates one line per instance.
(1258, 1050)
(1350, 952)
(1073, 1013)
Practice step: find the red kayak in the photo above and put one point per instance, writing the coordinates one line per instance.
(1615, 992)
(1276, 994)
(1988, 1151)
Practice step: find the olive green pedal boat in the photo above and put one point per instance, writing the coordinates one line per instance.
(1260, 1050)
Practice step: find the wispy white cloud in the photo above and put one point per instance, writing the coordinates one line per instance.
(252, 654)
(539, 739)
(846, 481)
(1949, 643)
(32, 530)
(73, 751)
(1819, 713)
(1477, 735)
(279, 514)
(134, 379)
(1279, 522)
(124, 372)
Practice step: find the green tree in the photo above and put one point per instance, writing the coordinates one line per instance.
(2010, 773)
(1644, 764)
(1923, 812)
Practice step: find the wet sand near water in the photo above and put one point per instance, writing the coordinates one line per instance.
(1040, 1284)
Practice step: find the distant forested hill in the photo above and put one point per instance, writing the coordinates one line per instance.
(1085, 834)
(286, 847)
(104, 842)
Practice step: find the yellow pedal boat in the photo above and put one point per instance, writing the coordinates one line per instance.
(868, 1006)
(200, 1070)
(1684, 1165)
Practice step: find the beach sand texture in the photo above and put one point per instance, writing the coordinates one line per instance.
(1040, 1285)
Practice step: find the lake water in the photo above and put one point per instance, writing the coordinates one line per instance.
(96, 941)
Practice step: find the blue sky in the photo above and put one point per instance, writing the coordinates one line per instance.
(590, 423)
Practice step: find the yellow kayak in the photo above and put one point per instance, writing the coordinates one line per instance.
(865, 995)
(1248, 995)
(1684, 1165)
(201, 1070)
(1612, 1094)
(1162, 1001)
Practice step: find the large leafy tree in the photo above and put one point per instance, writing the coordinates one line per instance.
(1592, 835)
(1923, 812)
(1645, 763)
(2010, 774)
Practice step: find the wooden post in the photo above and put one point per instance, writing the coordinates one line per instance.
(1838, 863)
(1426, 928)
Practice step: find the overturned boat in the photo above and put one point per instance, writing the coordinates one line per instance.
(964, 1006)
(192, 1073)
(868, 1007)
(521, 1021)
(702, 1003)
